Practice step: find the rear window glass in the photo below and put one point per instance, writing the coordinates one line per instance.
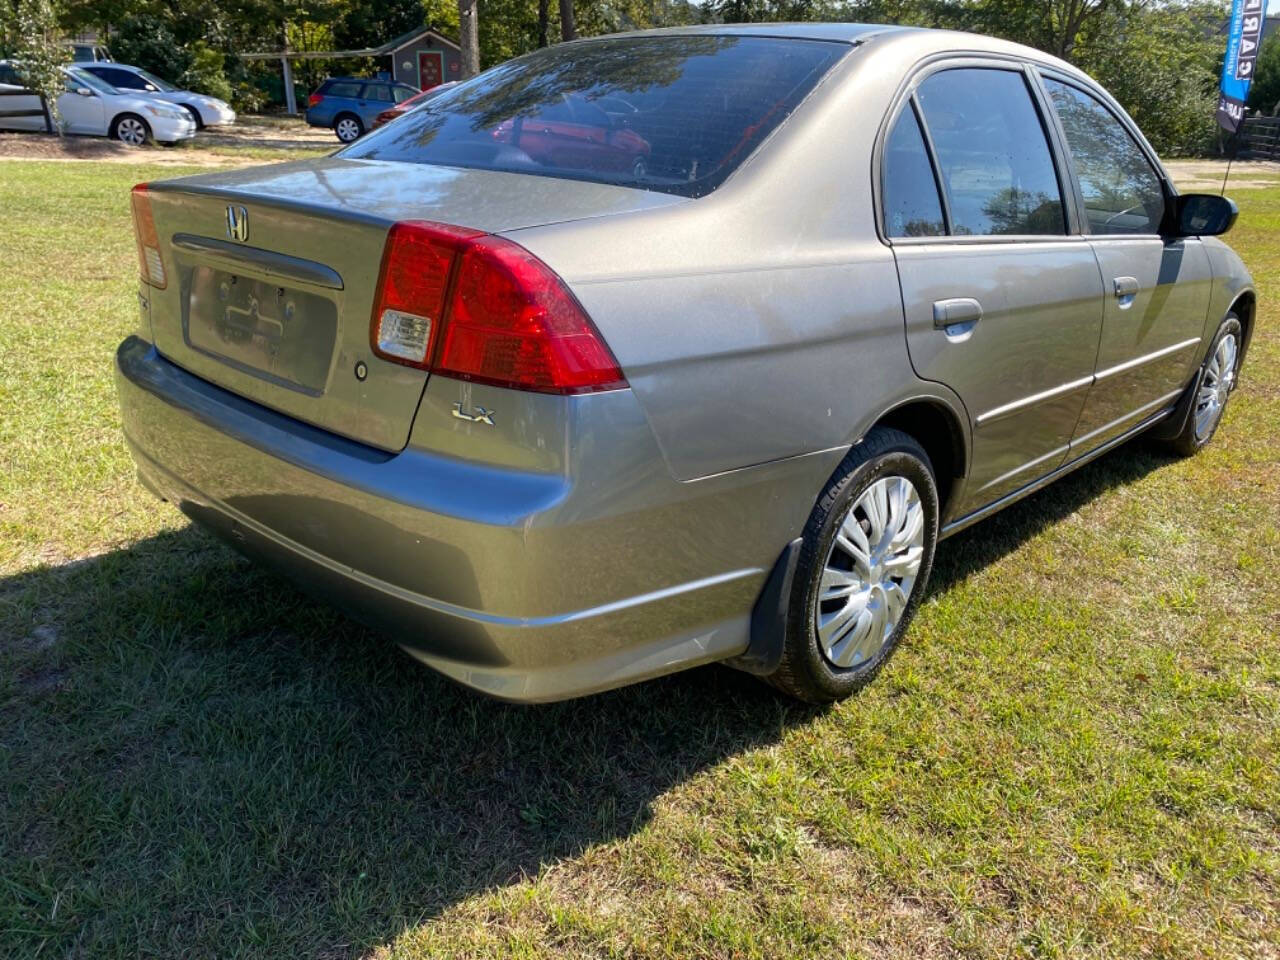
(912, 207)
(675, 114)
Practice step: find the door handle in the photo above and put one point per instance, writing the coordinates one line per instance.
(1125, 287)
(956, 312)
(1126, 290)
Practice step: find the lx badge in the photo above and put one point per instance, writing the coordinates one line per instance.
(480, 416)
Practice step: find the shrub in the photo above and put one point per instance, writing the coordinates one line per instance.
(206, 73)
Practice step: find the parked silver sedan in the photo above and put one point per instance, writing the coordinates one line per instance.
(204, 109)
(566, 395)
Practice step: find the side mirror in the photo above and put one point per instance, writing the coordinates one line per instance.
(1203, 215)
(84, 91)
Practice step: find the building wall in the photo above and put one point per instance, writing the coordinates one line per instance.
(405, 61)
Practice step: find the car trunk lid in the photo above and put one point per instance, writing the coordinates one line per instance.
(273, 274)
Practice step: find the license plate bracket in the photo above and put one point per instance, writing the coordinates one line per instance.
(280, 333)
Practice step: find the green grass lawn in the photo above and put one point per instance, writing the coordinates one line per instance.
(1075, 753)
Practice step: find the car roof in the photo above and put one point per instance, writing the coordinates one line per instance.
(915, 41)
(848, 32)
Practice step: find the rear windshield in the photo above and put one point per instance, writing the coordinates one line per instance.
(675, 114)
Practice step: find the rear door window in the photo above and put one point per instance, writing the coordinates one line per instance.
(377, 91)
(697, 106)
(993, 153)
(341, 89)
(1122, 191)
(912, 206)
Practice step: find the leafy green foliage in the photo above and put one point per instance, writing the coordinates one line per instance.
(38, 53)
(1161, 63)
(149, 41)
(205, 73)
(1264, 94)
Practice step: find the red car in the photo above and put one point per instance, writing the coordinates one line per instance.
(400, 109)
(573, 133)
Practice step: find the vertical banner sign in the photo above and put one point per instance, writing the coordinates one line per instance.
(1243, 36)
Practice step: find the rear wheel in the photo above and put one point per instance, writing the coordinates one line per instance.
(195, 115)
(131, 129)
(864, 562)
(348, 127)
(1214, 383)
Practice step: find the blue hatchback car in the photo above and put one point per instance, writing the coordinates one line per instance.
(349, 104)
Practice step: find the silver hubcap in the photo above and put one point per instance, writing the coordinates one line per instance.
(132, 132)
(870, 572)
(1219, 378)
(347, 130)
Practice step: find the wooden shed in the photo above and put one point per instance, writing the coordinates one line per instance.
(421, 58)
(424, 58)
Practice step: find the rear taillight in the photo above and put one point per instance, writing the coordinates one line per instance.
(479, 307)
(314, 99)
(150, 263)
(416, 265)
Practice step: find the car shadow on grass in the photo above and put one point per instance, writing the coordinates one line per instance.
(200, 760)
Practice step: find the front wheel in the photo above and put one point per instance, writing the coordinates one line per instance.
(1214, 382)
(864, 561)
(131, 129)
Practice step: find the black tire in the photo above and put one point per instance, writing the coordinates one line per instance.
(805, 672)
(122, 126)
(1196, 433)
(195, 115)
(339, 125)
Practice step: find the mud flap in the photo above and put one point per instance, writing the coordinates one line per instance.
(769, 617)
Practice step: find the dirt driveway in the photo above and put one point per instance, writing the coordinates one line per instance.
(250, 139)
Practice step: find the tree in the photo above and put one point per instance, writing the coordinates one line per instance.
(149, 40)
(469, 38)
(568, 29)
(39, 54)
(1161, 63)
(371, 23)
(1264, 94)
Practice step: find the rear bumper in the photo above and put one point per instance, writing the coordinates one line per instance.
(219, 117)
(528, 586)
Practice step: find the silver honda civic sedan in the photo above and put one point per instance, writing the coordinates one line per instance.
(682, 346)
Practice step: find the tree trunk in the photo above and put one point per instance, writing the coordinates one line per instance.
(544, 17)
(568, 30)
(469, 36)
